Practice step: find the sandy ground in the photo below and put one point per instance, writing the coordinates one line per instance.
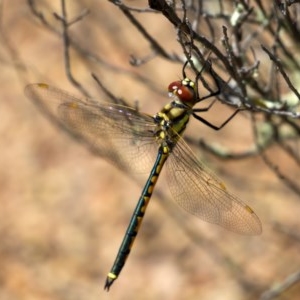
(63, 211)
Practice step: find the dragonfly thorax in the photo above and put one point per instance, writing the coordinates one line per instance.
(171, 122)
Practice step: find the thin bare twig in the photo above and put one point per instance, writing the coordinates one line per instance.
(279, 288)
(65, 25)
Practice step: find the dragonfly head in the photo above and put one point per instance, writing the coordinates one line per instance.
(184, 91)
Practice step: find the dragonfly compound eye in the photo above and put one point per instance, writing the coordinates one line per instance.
(184, 90)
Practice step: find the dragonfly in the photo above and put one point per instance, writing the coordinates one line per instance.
(137, 142)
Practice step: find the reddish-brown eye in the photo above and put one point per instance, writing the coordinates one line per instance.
(184, 90)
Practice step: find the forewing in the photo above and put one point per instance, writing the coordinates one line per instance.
(120, 134)
(196, 189)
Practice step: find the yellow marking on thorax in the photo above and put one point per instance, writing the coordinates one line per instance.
(179, 115)
(180, 126)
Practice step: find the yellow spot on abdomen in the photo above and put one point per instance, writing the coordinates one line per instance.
(111, 276)
(150, 189)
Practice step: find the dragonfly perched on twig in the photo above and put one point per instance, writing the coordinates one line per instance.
(133, 140)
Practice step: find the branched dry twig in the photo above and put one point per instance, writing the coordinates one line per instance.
(65, 25)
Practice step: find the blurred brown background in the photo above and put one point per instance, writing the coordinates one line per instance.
(63, 211)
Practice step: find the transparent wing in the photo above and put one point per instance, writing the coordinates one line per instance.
(197, 190)
(120, 134)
